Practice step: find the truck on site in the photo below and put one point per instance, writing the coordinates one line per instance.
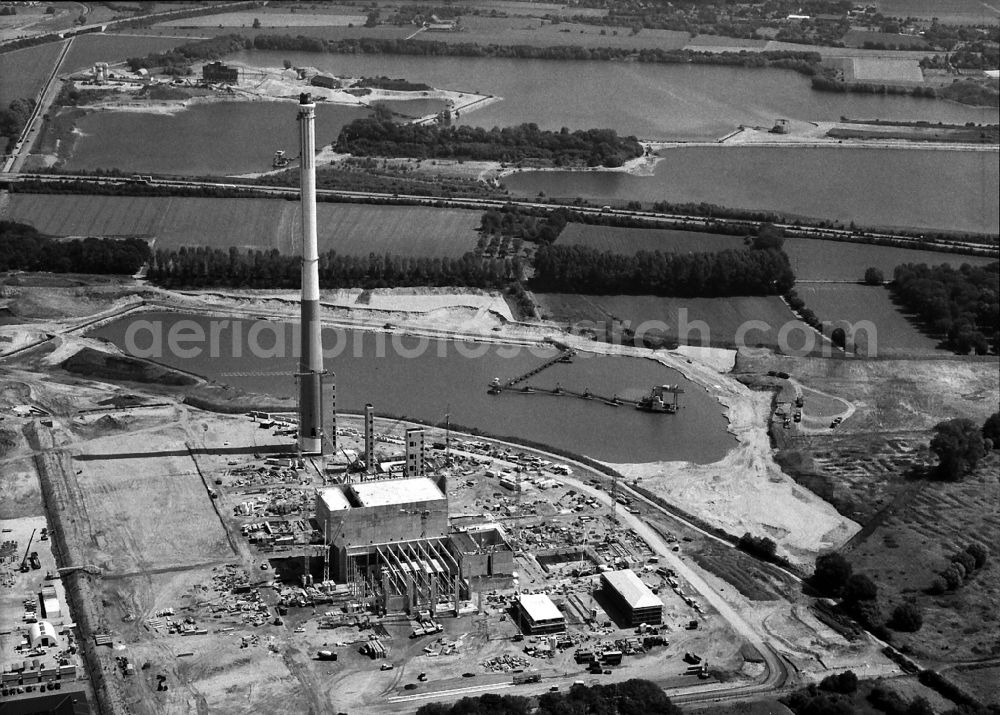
(523, 678)
(326, 655)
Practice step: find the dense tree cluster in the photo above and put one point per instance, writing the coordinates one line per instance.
(991, 431)
(959, 445)
(760, 546)
(207, 267)
(211, 49)
(532, 225)
(14, 117)
(580, 269)
(22, 248)
(630, 696)
(962, 304)
(831, 574)
(380, 136)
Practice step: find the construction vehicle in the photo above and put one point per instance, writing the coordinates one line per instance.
(24, 561)
(34, 561)
(280, 160)
(656, 400)
(326, 655)
(522, 678)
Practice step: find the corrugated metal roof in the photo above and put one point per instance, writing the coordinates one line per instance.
(396, 491)
(539, 607)
(631, 588)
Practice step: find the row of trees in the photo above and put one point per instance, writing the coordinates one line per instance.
(581, 269)
(378, 135)
(834, 577)
(207, 267)
(961, 568)
(801, 61)
(23, 248)
(962, 304)
(631, 696)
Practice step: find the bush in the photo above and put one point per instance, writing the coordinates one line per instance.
(991, 429)
(980, 554)
(831, 574)
(860, 588)
(967, 560)
(907, 617)
(846, 683)
(874, 277)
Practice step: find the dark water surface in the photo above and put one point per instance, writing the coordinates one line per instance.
(425, 379)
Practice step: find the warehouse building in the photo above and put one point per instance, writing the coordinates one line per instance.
(637, 603)
(536, 613)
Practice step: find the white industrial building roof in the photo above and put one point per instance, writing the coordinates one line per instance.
(632, 589)
(334, 499)
(539, 607)
(396, 491)
(39, 631)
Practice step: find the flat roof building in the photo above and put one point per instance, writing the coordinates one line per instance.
(538, 614)
(634, 598)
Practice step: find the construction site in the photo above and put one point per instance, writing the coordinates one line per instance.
(313, 560)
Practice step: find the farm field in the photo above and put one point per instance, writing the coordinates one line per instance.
(112, 48)
(356, 229)
(22, 72)
(631, 240)
(961, 12)
(858, 38)
(694, 321)
(893, 332)
(812, 259)
(268, 19)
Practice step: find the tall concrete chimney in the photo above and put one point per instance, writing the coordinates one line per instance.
(311, 355)
(369, 438)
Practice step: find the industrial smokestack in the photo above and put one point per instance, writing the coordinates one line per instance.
(369, 438)
(311, 355)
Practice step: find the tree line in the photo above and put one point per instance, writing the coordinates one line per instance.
(581, 269)
(181, 57)
(204, 267)
(14, 117)
(631, 696)
(380, 136)
(962, 304)
(23, 248)
(805, 62)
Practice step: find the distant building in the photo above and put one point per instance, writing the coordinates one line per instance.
(220, 73)
(538, 614)
(633, 598)
(327, 81)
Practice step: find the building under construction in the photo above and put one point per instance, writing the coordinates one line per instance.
(389, 542)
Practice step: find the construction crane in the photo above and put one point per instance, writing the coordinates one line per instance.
(24, 561)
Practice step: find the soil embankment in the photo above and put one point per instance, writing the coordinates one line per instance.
(105, 366)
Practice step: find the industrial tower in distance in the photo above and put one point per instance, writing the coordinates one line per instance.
(310, 374)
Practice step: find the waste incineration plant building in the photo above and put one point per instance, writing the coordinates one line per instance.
(536, 613)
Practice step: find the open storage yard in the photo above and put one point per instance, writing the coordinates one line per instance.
(353, 229)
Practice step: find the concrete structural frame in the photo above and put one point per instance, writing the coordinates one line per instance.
(310, 372)
(636, 601)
